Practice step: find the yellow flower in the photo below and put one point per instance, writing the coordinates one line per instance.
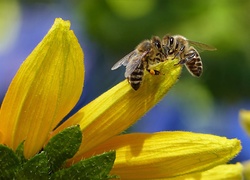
(246, 169)
(221, 172)
(48, 85)
(245, 120)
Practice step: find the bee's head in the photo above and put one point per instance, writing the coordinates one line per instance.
(145, 46)
(156, 41)
(168, 44)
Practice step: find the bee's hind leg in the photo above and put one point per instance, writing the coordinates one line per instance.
(182, 61)
(154, 72)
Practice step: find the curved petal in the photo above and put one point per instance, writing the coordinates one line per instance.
(166, 154)
(246, 169)
(1, 137)
(45, 88)
(221, 172)
(120, 107)
(245, 120)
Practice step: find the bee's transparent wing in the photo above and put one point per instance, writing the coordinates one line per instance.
(134, 62)
(124, 61)
(201, 47)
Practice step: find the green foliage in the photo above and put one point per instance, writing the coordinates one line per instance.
(19, 152)
(9, 162)
(35, 168)
(63, 146)
(96, 167)
(48, 164)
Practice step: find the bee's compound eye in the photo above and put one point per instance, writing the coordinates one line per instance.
(158, 44)
(171, 40)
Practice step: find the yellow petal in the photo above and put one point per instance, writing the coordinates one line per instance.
(120, 107)
(166, 154)
(1, 137)
(245, 120)
(45, 88)
(246, 170)
(221, 172)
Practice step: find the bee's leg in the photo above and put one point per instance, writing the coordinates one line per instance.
(178, 54)
(151, 71)
(182, 61)
(154, 72)
(187, 57)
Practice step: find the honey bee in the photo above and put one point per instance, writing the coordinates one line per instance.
(146, 54)
(179, 47)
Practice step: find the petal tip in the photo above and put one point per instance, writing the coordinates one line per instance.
(60, 23)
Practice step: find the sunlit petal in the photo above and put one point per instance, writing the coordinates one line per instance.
(166, 154)
(221, 172)
(120, 107)
(245, 120)
(45, 88)
(246, 169)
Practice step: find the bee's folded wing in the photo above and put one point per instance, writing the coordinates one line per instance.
(124, 61)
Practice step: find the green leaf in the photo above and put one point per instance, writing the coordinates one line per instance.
(94, 168)
(35, 168)
(63, 146)
(8, 162)
(19, 153)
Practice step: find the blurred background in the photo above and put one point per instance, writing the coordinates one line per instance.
(110, 29)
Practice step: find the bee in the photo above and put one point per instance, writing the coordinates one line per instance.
(179, 47)
(145, 55)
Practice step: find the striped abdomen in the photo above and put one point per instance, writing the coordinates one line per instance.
(193, 62)
(135, 78)
(194, 66)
